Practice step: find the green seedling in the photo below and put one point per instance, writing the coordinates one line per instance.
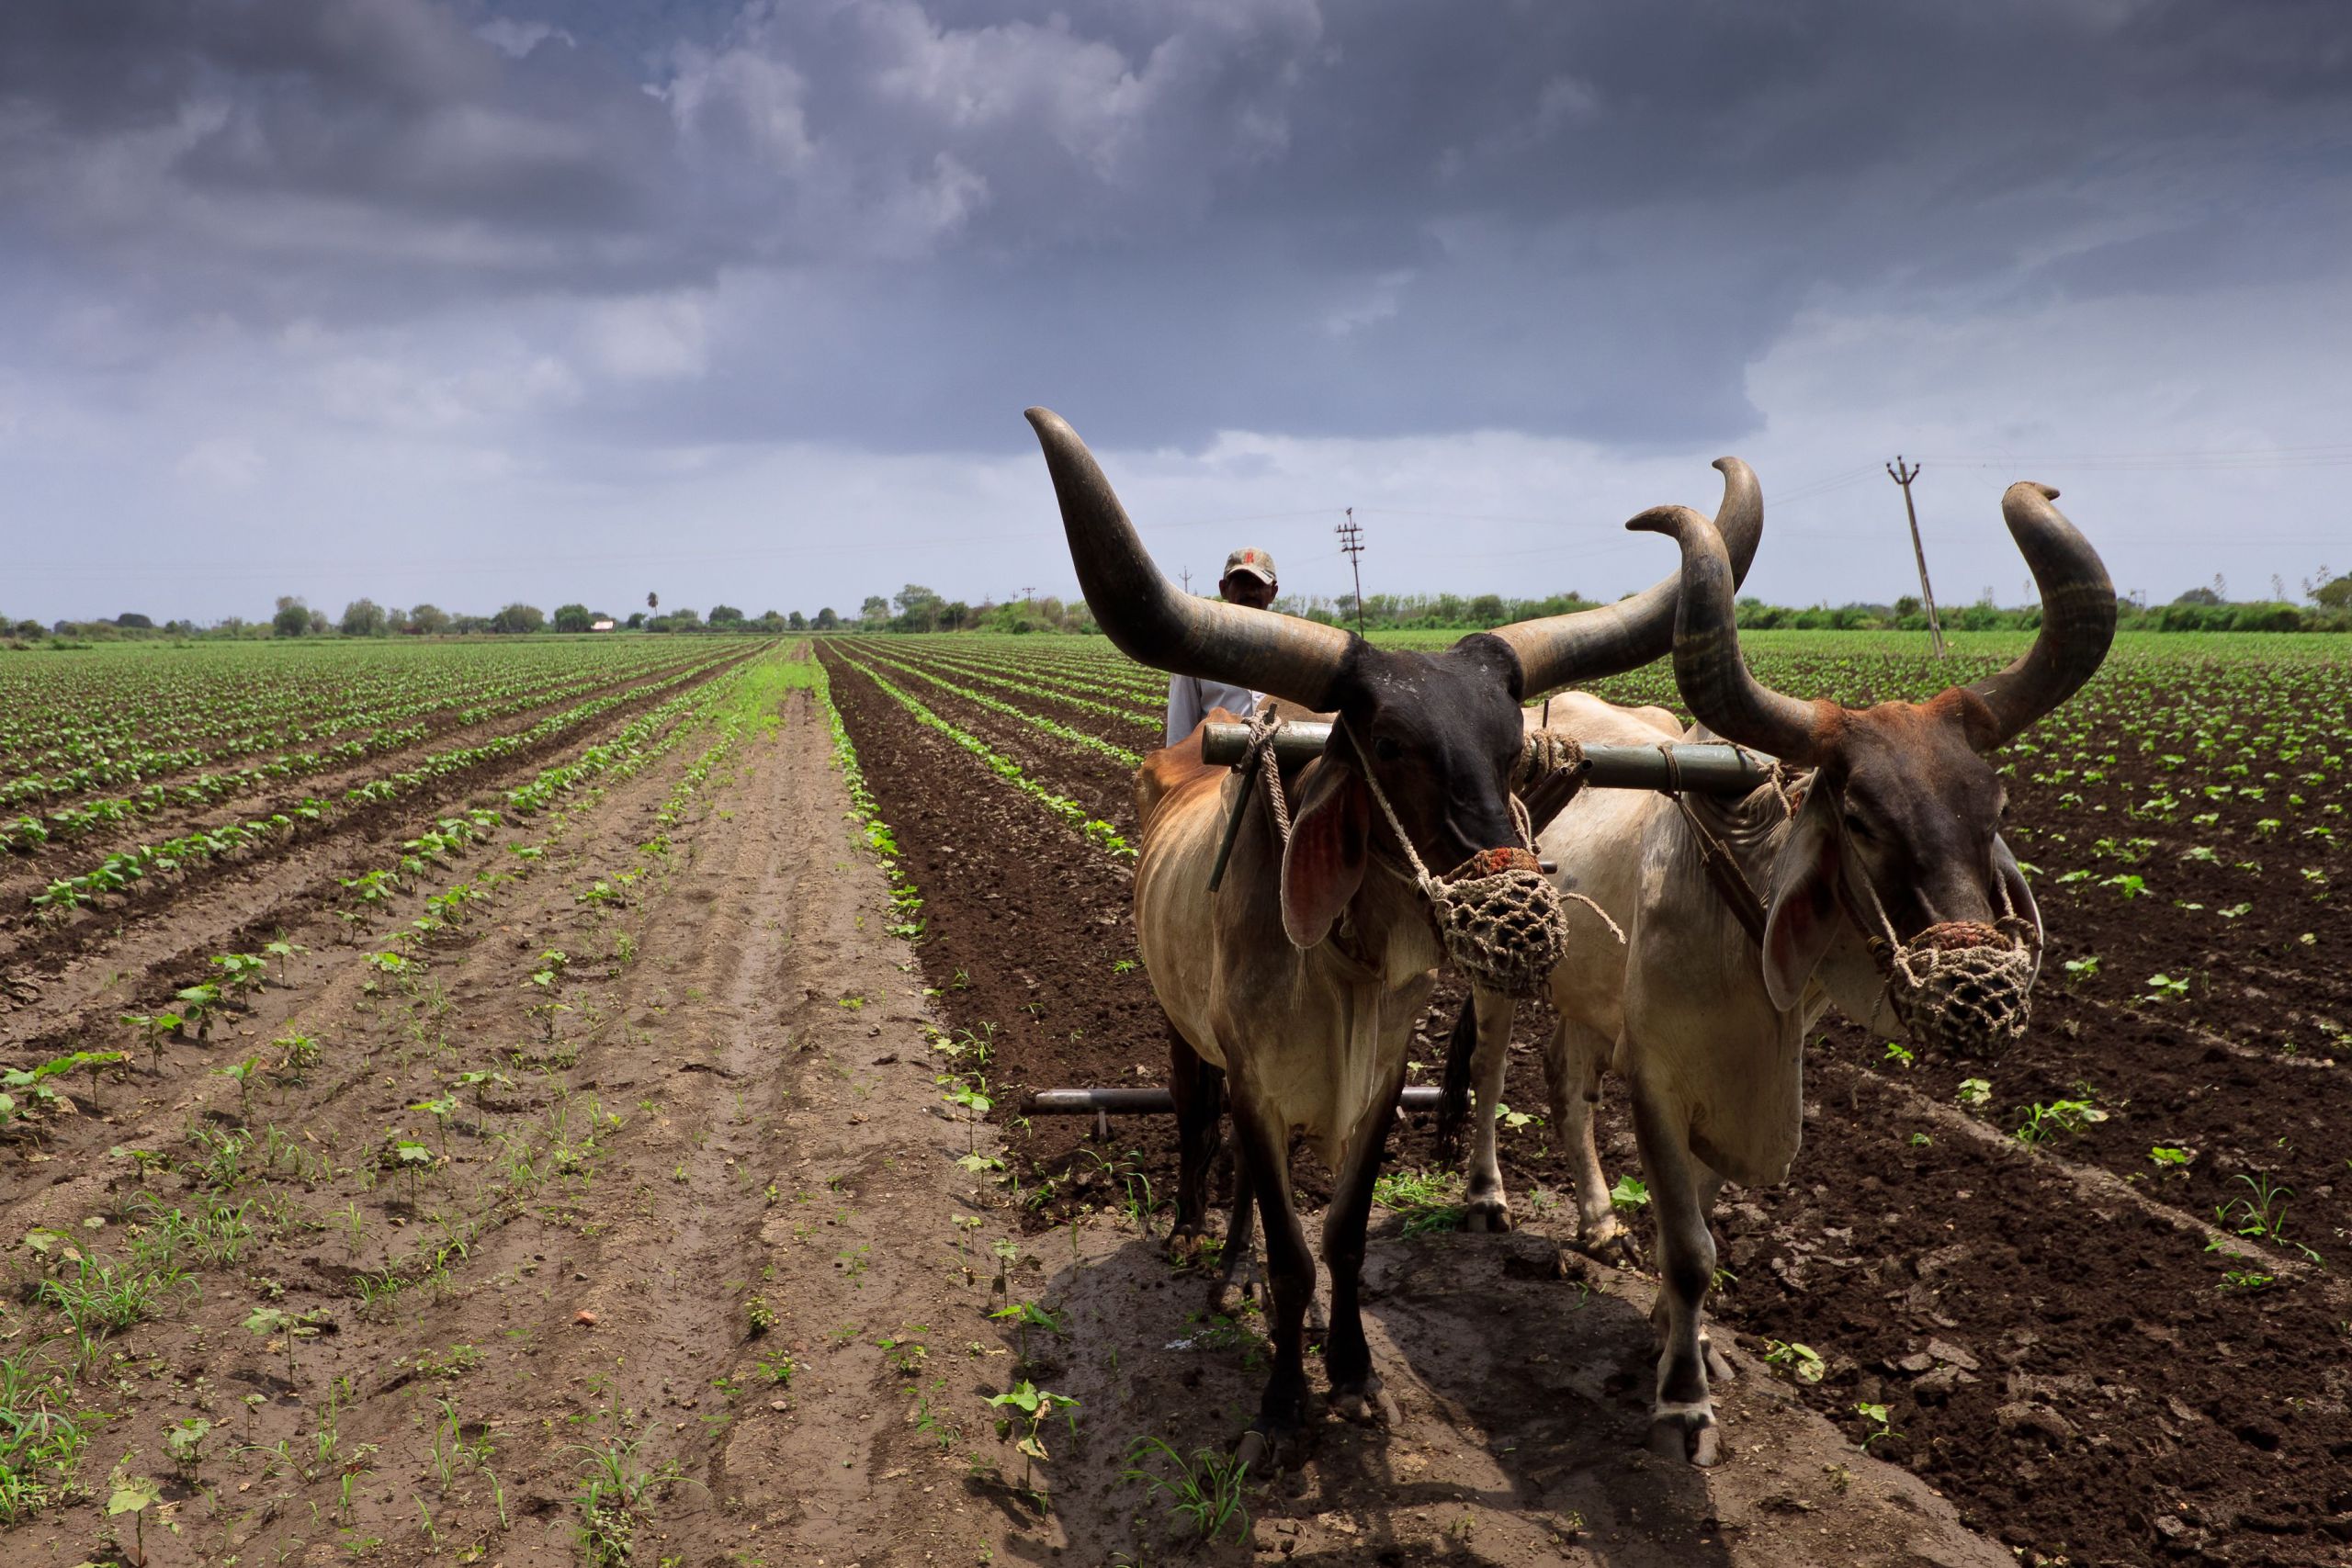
(1024, 1411)
(1801, 1362)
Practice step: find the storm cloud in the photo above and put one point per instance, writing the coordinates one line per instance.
(516, 281)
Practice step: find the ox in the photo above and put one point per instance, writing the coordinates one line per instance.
(1881, 884)
(1294, 988)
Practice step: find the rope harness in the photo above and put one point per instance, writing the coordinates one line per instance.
(1496, 914)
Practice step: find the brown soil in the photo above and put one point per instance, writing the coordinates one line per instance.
(2198, 1420)
(740, 1103)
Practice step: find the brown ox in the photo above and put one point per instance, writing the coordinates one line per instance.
(1298, 983)
(1892, 866)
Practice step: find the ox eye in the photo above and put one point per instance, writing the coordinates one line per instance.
(1857, 826)
(1385, 749)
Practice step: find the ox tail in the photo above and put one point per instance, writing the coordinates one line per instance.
(1453, 1098)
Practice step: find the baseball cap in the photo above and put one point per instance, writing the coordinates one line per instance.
(1256, 563)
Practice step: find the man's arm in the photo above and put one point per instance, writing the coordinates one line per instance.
(1184, 708)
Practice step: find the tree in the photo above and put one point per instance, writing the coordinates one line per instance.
(797, 621)
(130, 621)
(725, 615)
(827, 620)
(954, 614)
(636, 620)
(428, 620)
(293, 617)
(1487, 610)
(2335, 593)
(363, 617)
(397, 623)
(919, 608)
(2199, 596)
(573, 618)
(876, 610)
(653, 600)
(320, 624)
(519, 618)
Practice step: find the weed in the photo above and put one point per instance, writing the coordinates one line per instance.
(1205, 1492)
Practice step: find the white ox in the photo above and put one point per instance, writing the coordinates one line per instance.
(1893, 855)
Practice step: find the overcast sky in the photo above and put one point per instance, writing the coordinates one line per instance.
(466, 300)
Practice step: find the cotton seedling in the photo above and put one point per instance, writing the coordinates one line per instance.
(1024, 1410)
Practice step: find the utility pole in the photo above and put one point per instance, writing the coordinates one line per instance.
(1187, 575)
(1351, 541)
(1903, 476)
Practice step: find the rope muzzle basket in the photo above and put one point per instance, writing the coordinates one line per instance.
(1500, 921)
(1962, 984)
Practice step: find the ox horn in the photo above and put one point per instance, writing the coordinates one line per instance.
(1150, 621)
(2077, 616)
(1708, 669)
(1588, 644)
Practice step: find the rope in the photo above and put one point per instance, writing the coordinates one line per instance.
(1259, 743)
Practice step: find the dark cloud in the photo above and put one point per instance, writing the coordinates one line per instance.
(1378, 218)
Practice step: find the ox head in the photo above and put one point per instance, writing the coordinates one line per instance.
(1440, 732)
(1900, 830)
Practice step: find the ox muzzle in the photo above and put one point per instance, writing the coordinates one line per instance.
(1962, 985)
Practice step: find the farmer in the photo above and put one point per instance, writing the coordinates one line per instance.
(1249, 580)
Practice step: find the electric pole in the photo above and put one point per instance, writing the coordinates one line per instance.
(1187, 575)
(1351, 541)
(1903, 476)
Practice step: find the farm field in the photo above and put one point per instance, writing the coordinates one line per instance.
(2119, 1337)
(583, 1125)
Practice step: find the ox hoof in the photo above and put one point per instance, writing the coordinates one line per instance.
(1617, 1250)
(1366, 1407)
(1719, 1366)
(1264, 1453)
(1486, 1215)
(1689, 1436)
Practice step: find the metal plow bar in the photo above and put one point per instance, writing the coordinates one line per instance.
(1711, 769)
(1105, 1103)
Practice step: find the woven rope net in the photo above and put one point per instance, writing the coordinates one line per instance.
(1500, 921)
(1962, 985)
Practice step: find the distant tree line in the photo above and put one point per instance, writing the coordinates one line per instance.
(2326, 606)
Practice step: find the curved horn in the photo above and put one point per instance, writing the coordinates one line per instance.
(1713, 677)
(1154, 624)
(1588, 644)
(2077, 616)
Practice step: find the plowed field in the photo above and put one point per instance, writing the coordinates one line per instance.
(614, 1153)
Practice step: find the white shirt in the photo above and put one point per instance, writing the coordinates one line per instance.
(1190, 699)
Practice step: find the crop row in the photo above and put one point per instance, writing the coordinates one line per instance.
(1103, 834)
(152, 708)
(1052, 726)
(120, 870)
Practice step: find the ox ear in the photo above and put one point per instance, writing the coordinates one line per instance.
(1323, 864)
(1800, 916)
(2012, 875)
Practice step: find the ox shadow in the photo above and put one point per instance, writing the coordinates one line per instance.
(1520, 1376)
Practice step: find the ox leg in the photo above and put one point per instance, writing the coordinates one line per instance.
(1263, 1152)
(1488, 1208)
(1719, 1370)
(1356, 1392)
(1682, 1413)
(1239, 1276)
(1574, 1058)
(1199, 1091)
